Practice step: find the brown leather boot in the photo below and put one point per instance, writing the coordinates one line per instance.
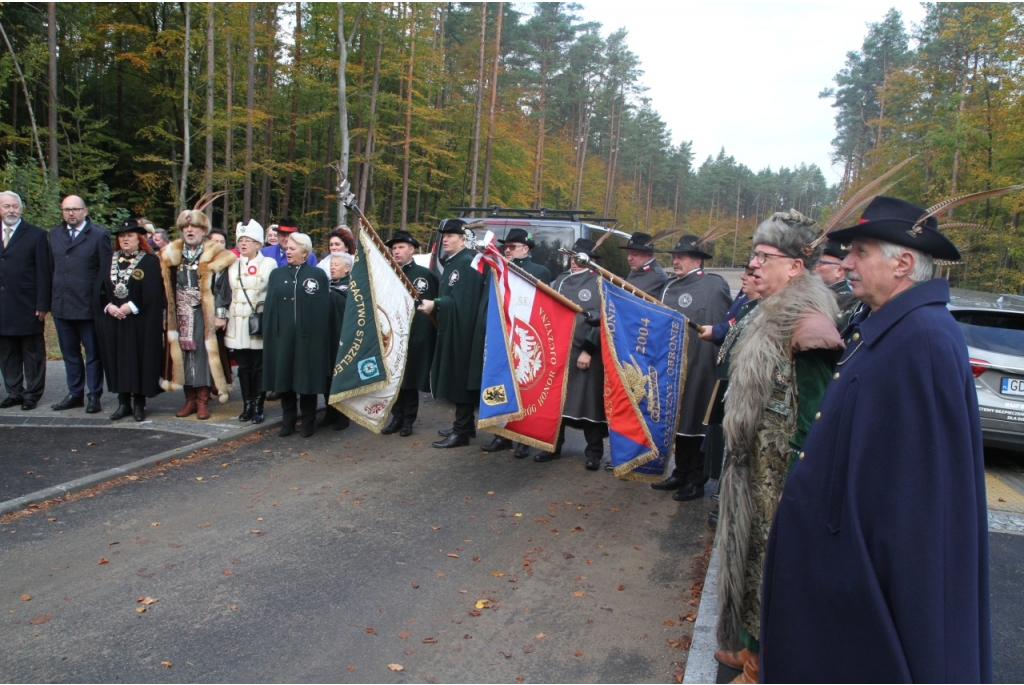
(750, 671)
(202, 402)
(190, 403)
(735, 660)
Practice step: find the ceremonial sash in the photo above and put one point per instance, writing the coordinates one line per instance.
(526, 352)
(374, 345)
(644, 354)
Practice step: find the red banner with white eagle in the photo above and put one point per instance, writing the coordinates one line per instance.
(527, 347)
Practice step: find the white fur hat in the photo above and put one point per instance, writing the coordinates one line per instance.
(252, 231)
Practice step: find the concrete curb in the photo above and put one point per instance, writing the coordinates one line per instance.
(91, 480)
(701, 666)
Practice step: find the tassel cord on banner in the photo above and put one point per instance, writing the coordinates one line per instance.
(541, 285)
(585, 260)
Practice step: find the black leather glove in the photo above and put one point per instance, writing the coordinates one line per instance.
(592, 317)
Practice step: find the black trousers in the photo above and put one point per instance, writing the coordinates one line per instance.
(306, 404)
(689, 460)
(250, 372)
(73, 335)
(23, 365)
(593, 433)
(465, 421)
(407, 405)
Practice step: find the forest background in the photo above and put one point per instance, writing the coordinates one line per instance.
(142, 107)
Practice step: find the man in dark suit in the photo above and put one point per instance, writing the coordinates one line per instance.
(77, 248)
(24, 301)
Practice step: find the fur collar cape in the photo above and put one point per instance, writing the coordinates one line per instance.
(213, 260)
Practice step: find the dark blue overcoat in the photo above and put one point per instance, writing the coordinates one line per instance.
(877, 562)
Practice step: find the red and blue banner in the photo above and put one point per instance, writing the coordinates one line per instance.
(644, 354)
(526, 352)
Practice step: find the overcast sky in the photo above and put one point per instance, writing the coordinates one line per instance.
(746, 76)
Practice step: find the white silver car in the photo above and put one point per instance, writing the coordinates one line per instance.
(994, 328)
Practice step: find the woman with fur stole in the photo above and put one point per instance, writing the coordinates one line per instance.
(780, 365)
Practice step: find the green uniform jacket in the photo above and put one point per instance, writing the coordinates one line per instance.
(422, 332)
(296, 347)
(339, 298)
(539, 271)
(457, 366)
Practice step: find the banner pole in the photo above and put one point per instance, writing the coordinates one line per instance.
(540, 285)
(585, 260)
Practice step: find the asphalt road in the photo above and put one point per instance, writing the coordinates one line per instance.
(1006, 554)
(330, 558)
(37, 458)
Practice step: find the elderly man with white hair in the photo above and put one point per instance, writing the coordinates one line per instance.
(297, 355)
(877, 562)
(25, 284)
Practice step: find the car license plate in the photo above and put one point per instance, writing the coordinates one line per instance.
(1013, 386)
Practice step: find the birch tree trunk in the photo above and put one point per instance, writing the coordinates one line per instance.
(208, 187)
(408, 119)
(250, 86)
(229, 133)
(479, 105)
(342, 105)
(51, 40)
(268, 126)
(364, 176)
(186, 156)
(296, 71)
(494, 100)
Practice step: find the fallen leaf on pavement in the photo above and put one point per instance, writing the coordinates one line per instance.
(541, 636)
(133, 477)
(682, 643)
(409, 650)
(199, 477)
(227, 572)
(146, 601)
(462, 592)
(302, 454)
(369, 630)
(578, 593)
(294, 487)
(476, 558)
(528, 648)
(103, 560)
(140, 610)
(505, 654)
(638, 548)
(440, 574)
(613, 509)
(111, 544)
(396, 667)
(577, 529)
(541, 520)
(429, 640)
(256, 531)
(233, 607)
(578, 652)
(691, 617)
(154, 524)
(490, 492)
(622, 587)
(590, 561)
(474, 612)
(669, 622)
(404, 634)
(436, 527)
(568, 556)
(453, 556)
(482, 603)
(497, 574)
(40, 619)
(415, 586)
(89, 444)
(166, 664)
(25, 598)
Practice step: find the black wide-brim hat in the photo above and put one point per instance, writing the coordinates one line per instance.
(131, 226)
(639, 242)
(518, 235)
(452, 226)
(586, 246)
(893, 220)
(403, 237)
(834, 248)
(688, 245)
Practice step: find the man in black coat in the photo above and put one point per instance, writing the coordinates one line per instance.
(77, 249)
(644, 271)
(422, 337)
(704, 299)
(24, 300)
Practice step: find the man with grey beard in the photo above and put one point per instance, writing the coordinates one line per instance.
(24, 300)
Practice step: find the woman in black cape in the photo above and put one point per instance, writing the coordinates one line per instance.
(130, 302)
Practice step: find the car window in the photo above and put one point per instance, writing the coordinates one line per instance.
(999, 332)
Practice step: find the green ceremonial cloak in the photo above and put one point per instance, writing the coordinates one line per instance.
(538, 271)
(296, 348)
(422, 332)
(458, 363)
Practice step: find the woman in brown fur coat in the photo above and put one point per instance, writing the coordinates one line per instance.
(197, 307)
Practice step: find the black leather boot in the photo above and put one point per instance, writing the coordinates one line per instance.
(124, 406)
(140, 407)
(245, 384)
(257, 408)
(307, 410)
(394, 425)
